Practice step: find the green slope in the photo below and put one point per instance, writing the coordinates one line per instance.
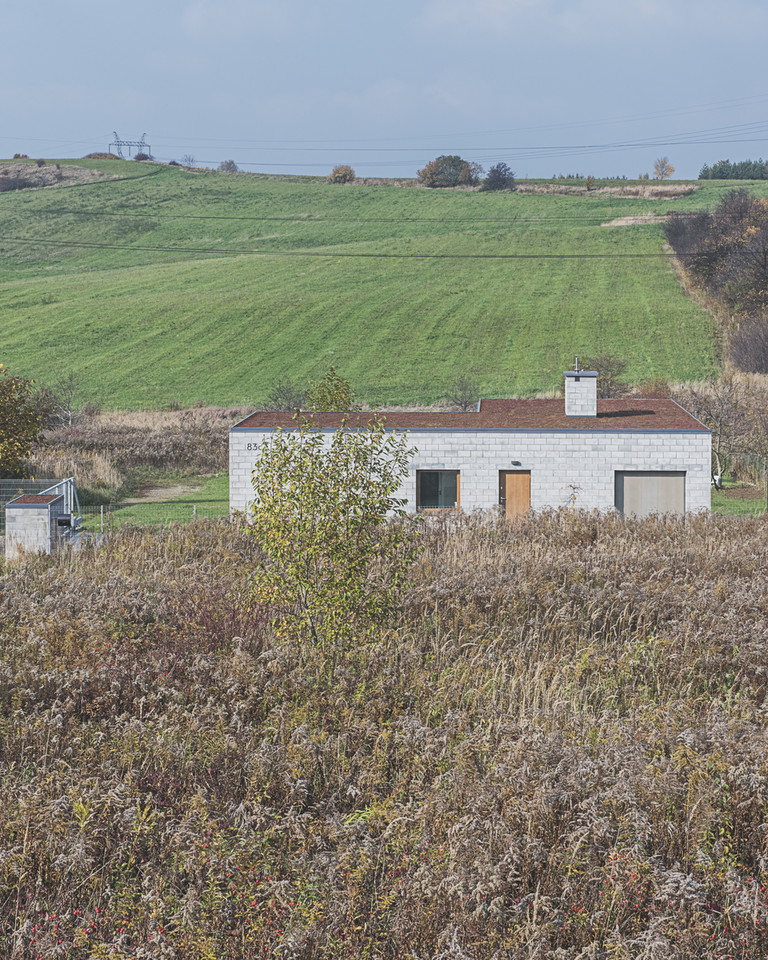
(168, 283)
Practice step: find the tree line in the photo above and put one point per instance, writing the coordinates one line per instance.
(742, 170)
(725, 250)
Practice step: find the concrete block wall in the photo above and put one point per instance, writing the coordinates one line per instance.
(27, 530)
(567, 466)
(581, 393)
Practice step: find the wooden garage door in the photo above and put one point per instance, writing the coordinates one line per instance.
(515, 492)
(642, 492)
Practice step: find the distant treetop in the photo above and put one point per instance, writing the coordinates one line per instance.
(450, 171)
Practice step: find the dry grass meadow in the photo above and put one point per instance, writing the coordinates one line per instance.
(557, 749)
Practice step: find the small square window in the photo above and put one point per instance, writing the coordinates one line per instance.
(437, 489)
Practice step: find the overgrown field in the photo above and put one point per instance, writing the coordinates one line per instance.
(168, 284)
(556, 751)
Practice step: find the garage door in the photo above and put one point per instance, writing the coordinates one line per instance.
(641, 492)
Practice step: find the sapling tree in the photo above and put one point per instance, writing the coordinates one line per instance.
(332, 392)
(335, 542)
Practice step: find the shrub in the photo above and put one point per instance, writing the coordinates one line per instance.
(228, 166)
(341, 174)
(333, 392)
(331, 563)
(286, 396)
(464, 394)
(143, 156)
(500, 177)
(450, 171)
(101, 156)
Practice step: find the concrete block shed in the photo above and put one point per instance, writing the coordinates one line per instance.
(40, 522)
(635, 455)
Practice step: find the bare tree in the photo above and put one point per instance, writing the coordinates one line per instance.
(464, 394)
(722, 406)
(285, 396)
(610, 369)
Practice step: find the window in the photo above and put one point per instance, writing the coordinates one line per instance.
(437, 489)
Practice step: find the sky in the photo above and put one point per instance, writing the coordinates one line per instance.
(550, 87)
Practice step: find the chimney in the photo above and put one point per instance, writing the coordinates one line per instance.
(580, 392)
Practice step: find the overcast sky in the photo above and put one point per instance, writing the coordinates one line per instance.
(601, 87)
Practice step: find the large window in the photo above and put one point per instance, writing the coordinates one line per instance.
(437, 489)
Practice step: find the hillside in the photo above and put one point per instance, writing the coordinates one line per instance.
(163, 284)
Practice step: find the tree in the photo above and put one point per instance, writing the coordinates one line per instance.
(61, 399)
(722, 406)
(333, 392)
(450, 171)
(341, 173)
(500, 177)
(21, 422)
(331, 563)
(228, 166)
(662, 169)
(285, 396)
(610, 369)
(464, 394)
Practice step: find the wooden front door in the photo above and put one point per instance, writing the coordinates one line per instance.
(515, 492)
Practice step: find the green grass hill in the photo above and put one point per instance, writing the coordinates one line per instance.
(157, 283)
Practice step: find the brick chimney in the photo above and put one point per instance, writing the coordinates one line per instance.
(580, 392)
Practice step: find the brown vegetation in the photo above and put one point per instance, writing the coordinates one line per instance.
(107, 452)
(555, 751)
(28, 176)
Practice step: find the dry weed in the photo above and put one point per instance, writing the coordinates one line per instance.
(557, 750)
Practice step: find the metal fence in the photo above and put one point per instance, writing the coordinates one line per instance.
(98, 519)
(10, 489)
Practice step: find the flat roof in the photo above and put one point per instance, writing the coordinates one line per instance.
(33, 500)
(626, 413)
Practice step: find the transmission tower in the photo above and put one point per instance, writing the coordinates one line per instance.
(141, 146)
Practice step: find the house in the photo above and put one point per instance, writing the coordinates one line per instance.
(636, 455)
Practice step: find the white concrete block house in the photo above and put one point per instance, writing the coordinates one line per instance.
(638, 456)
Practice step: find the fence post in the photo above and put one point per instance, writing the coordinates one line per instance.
(194, 512)
(102, 518)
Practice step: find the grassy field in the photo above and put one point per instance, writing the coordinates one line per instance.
(210, 500)
(166, 284)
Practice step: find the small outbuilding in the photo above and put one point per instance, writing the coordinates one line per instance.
(40, 522)
(635, 455)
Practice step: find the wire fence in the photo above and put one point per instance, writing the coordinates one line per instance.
(98, 519)
(110, 516)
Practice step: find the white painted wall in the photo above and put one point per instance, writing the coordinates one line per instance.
(557, 459)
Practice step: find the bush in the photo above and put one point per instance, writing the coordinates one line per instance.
(333, 392)
(143, 156)
(228, 166)
(500, 177)
(341, 174)
(450, 171)
(285, 396)
(748, 346)
(331, 564)
(101, 156)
